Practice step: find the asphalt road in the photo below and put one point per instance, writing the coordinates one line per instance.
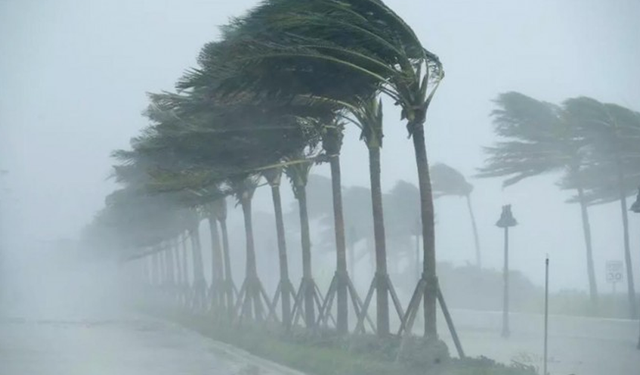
(122, 345)
(579, 346)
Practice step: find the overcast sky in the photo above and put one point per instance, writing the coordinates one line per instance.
(73, 78)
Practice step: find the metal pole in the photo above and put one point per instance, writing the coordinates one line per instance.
(505, 312)
(418, 264)
(615, 298)
(639, 341)
(546, 313)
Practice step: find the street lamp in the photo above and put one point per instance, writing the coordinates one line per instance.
(506, 221)
(635, 207)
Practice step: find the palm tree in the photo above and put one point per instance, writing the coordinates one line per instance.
(404, 220)
(298, 174)
(334, 220)
(361, 47)
(285, 289)
(538, 139)
(252, 292)
(216, 290)
(229, 285)
(198, 300)
(231, 140)
(341, 283)
(368, 117)
(449, 181)
(612, 133)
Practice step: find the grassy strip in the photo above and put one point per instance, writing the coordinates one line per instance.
(325, 353)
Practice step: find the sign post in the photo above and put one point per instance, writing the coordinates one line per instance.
(615, 274)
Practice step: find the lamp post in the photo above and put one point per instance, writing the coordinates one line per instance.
(635, 207)
(3, 241)
(506, 221)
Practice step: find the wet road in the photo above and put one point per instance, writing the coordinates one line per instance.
(123, 345)
(577, 346)
(68, 318)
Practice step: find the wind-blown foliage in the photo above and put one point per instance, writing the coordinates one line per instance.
(283, 78)
(449, 181)
(537, 139)
(591, 143)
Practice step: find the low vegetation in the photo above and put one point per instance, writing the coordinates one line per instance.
(324, 352)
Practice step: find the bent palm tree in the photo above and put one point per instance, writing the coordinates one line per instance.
(539, 139)
(449, 181)
(368, 117)
(287, 47)
(252, 292)
(285, 289)
(612, 133)
(308, 297)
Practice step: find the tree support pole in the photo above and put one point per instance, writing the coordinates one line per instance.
(406, 324)
(379, 281)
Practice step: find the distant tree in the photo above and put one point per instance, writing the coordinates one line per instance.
(536, 138)
(447, 181)
(402, 218)
(612, 134)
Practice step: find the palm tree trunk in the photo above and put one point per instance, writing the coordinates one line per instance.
(217, 275)
(418, 266)
(251, 271)
(627, 257)
(476, 239)
(282, 252)
(342, 324)
(382, 294)
(199, 282)
(185, 267)
(148, 270)
(638, 341)
(177, 261)
(633, 307)
(306, 257)
(170, 264)
(198, 264)
(228, 279)
(163, 267)
(154, 269)
(428, 232)
(250, 265)
(586, 228)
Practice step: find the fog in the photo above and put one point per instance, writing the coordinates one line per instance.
(73, 82)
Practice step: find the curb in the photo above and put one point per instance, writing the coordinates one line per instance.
(250, 359)
(233, 352)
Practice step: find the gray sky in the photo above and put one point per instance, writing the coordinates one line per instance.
(73, 77)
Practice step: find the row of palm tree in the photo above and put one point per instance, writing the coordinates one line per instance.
(287, 76)
(592, 144)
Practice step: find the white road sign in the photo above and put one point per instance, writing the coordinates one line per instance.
(615, 271)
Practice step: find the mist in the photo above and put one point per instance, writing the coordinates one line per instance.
(74, 79)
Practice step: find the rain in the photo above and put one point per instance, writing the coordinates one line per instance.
(319, 187)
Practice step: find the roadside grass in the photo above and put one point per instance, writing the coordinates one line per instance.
(323, 352)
